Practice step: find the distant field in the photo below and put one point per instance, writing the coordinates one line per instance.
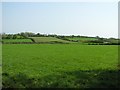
(59, 65)
(81, 38)
(16, 40)
(49, 39)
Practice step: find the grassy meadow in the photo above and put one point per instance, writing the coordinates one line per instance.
(0, 65)
(16, 40)
(59, 65)
(49, 39)
(82, 38)
(59, 44)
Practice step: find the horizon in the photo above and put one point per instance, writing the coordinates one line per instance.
(59, 34)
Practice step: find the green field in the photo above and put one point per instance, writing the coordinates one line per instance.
(0, 65)
(59, 65)
(82, 38)
(49, 39)
(17, 40)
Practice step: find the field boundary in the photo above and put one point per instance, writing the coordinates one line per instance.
(54, 43)
(34, 43)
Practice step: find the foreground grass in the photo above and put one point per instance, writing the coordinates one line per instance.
(67, 65)
(0, 65)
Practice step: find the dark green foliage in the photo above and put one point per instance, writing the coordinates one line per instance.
(73, 79)
(32, 39)
(11, 36)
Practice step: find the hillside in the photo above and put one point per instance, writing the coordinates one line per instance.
(32, 38)
(49, 40)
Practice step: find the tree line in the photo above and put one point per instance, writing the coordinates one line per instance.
(25, 35)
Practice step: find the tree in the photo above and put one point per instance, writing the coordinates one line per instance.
(14, 36)
(38, 34)
(97, 37)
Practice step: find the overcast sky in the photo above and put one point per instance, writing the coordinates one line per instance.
(67, 18)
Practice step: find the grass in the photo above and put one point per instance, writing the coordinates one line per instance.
(49, 39)
(17, 40)
(0, 60)
(81, 38)
(59, 65)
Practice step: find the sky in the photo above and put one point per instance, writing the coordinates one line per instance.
(62, 18)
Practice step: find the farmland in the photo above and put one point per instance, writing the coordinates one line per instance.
(49, 39)
(32, 38)
(81, 39)
(59, 65)
(16, 40)
(69, 44)
(0, 65)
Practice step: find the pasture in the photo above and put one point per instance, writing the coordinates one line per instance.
(82, 38)
(59, 66)
(49, 39)
(16, 40)
(0, 65)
